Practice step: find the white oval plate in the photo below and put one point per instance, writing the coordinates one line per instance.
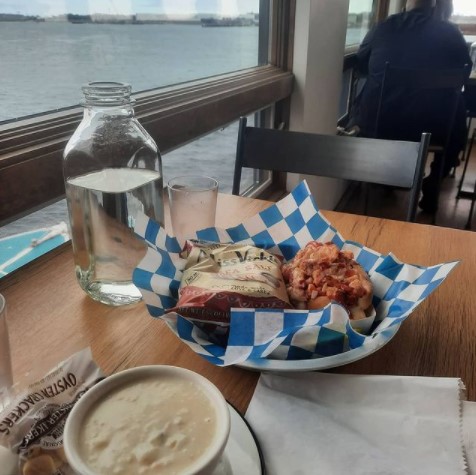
(327, 362)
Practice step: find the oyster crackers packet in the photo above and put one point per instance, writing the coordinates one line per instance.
(31, 426)
(283, 229)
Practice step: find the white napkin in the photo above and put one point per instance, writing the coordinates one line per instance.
(469, 434)
(319, 423)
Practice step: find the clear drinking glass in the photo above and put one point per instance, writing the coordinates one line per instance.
(192, 201)
(5, 362)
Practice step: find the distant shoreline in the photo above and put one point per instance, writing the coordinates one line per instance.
(118, 22)
(135, 19)
(113, 22)
(137, 22)
(132, 22)
(96, 21)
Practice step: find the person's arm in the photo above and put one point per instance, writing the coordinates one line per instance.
(363, 55)
(459, 49)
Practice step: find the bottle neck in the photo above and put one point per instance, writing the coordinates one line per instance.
(110, 111)
(109, 98)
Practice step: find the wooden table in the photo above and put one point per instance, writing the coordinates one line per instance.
(49, 315)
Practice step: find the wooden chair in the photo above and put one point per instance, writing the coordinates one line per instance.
(416, 80)
(385, 162)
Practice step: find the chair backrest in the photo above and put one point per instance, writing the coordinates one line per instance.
(451, 80)
(470, 97)
(386, 162)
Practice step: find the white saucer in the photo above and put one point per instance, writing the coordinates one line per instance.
(242, 450)
(8, 462)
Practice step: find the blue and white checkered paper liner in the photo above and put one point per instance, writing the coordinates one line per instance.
(282, 229)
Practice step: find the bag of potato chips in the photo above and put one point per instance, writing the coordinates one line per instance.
(32, 424)
(218, 277)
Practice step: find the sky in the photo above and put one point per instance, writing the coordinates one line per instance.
(127, 7)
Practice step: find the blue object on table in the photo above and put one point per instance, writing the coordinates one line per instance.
(20, 249)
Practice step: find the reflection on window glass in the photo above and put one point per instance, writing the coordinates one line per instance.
(358, 21)
(50, 48)
(212, 155)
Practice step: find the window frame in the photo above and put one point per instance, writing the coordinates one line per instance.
(31, 148)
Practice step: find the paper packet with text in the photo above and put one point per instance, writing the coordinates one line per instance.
(31, 426)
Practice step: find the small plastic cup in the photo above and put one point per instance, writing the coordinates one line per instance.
(193, 202)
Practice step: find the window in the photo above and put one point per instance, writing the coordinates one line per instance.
(31, 146)
(361, 14)
(61, 45)
(174, 115)
(464, 14)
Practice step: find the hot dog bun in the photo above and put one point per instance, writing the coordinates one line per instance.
(321, 273)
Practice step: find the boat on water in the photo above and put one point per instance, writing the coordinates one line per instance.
(227, 21)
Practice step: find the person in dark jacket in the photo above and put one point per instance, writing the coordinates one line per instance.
(415, 39)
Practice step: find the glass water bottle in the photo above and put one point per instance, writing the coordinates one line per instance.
(112, 170)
